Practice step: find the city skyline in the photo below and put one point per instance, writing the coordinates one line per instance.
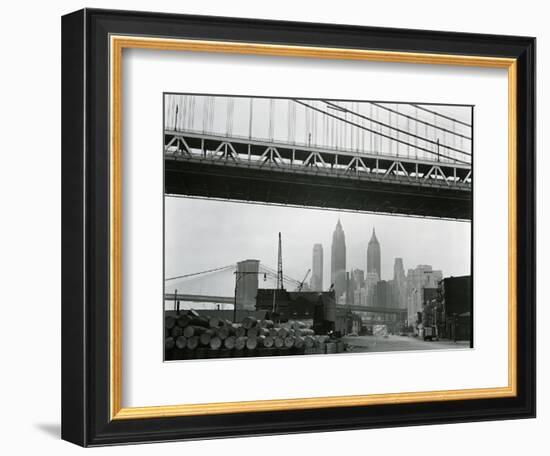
(237, 231)
(365, 288)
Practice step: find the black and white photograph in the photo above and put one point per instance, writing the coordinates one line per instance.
(297, 226)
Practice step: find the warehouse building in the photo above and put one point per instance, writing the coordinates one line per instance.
(316, 308)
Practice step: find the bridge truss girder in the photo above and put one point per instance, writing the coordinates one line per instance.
(255, 171)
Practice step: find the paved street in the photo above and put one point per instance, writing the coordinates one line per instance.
(398, 343)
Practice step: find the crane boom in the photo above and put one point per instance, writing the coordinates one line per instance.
(303, 280)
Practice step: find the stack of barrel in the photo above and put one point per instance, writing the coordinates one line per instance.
(192, 336)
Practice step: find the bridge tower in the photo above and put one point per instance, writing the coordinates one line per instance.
(247, 284)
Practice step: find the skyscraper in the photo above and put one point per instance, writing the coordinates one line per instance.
(338, 261)
(317, 268)
(357, 278)
(356, 282)
(398, 269)
(373, 256)
(370, 288)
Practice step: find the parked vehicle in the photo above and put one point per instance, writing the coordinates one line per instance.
(430, 332)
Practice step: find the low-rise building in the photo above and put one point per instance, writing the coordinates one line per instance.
(282, 305)
(455, 299)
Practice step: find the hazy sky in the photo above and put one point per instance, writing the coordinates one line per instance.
(202, 234)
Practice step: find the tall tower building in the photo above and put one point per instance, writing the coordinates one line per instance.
(338, 261)
(373, 256)
(317, 268)
(356, 282)
(399, 284)
(398, 270)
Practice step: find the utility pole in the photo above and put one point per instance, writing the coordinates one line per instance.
(176, 303)
(237, 277)
(280, 284)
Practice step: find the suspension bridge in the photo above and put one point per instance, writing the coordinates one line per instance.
(189, 290)
(224, 284)
(393, 158)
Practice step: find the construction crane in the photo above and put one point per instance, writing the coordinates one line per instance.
(301, 285)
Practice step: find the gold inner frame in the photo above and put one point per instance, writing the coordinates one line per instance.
(117, 44)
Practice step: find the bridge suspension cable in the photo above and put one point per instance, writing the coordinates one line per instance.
(443, 116)
(420, 121)
(263, 268)
(398, 130)
(406, 143)
(222, 268)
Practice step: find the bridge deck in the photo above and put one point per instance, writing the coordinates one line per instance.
(230, 300)
(241, 169)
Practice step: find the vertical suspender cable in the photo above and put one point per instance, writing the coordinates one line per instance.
(204, 113)
(331, 123)
(363, 131)
(358, 131)
(390, 132)
(409, 130)
(451, 152)
(307, 126)
(211, 122)
(250, 117)
(371, 135)
(271, 110)
(349, 130)
(183, 120)
(454, 139)
(294, 122)
(192, 113)
(345, 130)
(425, 136)
(229, 120)
(288, 120)
(337, 127)
(325, 131)
(314, 129)
(382, 140)
(416, 132)
(435, 135)
(397, 144)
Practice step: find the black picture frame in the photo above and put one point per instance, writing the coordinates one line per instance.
(85, 228)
